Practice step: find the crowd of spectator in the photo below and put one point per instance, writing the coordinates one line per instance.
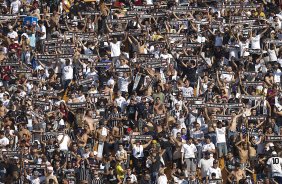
(140, 92)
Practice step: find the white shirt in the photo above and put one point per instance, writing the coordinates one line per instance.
(255, 42)
(33, 179)
(6, 102)
(201, 39)
(277, 76)
(180, 181)
(15, 5)
(87, 51)
(189, 150)
(149, 2)
(68, 73)
(272, 55)
(220, 135)
(227, 77)
(205, 164)
(162, 179)
(43, 30)
(174, 131)
(64, 144)
(81, 98)
(123, 84)
(115, 49)
(166, 56)
(187, 91)
(121, 102)
(275, 164)
(12, 34)
(4, 141)
(85, 155)
(176, 101)
(207, 147)
(217, 172)
(133, 178)
(243, 48)
(1, 96)
(138, 151)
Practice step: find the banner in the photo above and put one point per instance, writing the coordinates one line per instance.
(250, 97)
(49, 135)
(261, 118)
(98, 95)
(246, 83)
(142, 137)
(77, 105)
(85, 81)
(159, 117)
(122, 70)
(277, 138)
(223, 117)
(43, 103)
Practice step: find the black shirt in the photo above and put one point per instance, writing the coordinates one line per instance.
(131, 110)
(191, 73)
(156, 165)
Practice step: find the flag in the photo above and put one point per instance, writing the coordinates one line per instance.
(197, 91)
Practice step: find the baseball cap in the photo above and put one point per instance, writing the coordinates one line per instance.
(274, 153)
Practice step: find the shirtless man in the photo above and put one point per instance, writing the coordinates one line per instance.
(253, 143)
(246, 112)
(3, 110)
(212, 110)
(7, 121)
(73, 99)
(92, 123)
(2, 55)
(243, 152)
(102, 133)
(159, 107)
(82, 140)
(118, 131)
(24, 134)
(237, 174)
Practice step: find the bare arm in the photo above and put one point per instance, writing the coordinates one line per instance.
(146, 145)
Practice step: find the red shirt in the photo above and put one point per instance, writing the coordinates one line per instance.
(16, 47)
(138, 3)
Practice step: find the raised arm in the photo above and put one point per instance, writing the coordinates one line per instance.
(146, 145)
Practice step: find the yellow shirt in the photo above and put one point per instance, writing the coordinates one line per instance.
(260, 15)
(120, 171)
(156, 37)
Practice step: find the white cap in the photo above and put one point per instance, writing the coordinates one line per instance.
(271, 144)
(25, 35)
(95, 153)
(274, 153)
